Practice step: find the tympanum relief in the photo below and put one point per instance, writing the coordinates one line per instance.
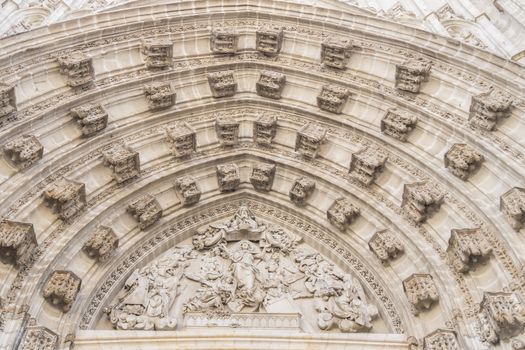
(246, 270)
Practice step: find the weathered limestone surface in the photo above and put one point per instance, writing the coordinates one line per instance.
(91, 117)
(61, 289)
(228, 177)
(66, 198)
(24, 151)
(17, 242)
(158, 53)
(182, 139)
(421, 292)
(146, 210)
(78, 67)
(159, 95)
(101, 244)
(187, 189)
(262, 176)
(342, 213)
(123, 161)
(301, 190)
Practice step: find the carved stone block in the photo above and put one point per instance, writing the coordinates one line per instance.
(411, 73)
(421, 200)
(269, 40)
(309, 139)
(463, 160)
(342, 213)
(264, 129)
(301, 190)
(367, 164)
(146, 210)
(17, 242)
(91, 117)
(501, 316)
(227, 130)
(441, 339)
(512, 204)
(467, 248)
(182, 139)
(158, 53)
(262, 176)
(270, 84)
(335, 52)
(123, 161)
(7, 100)
(159, 95)
(78, 67)
(517, 344)
(398, 123)
(24, 151)
(187, 190)
(102, 243)
(38, 338)
(332, 98)
(61, 289)
(222, 84)
(488, 108)
(386, 246)
(421, 292)
(65, 198)
(228, 177)
(224, 40)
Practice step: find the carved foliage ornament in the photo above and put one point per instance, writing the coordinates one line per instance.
(17, 242)
(488, 108)
(421, 292)
(441, 339)
(78, 67)
(228, 177)
(227, 130)
(262, 176)
(146, 210)
(187, 190)
(61, 289)
(159, 95)
(411, 73)
(367, 164)
(301, 190)
(182, 139)
(512, 204)
(332, 98)
(342, 213)
(37, 337)
(269, 40)
(264, 129)
(462, 160)
(24, 151)
(335, 52)
(270, 84)
(421, 200)
(467, 248)
(158, 53)
(243, 272)
(224, 40)
(7, 100)
(123, 161)
(65, 198)
(386, 246)
(398, 123)
(101, 244)
(91, 117)
(309, 139)
(222, 84)
(502, 316)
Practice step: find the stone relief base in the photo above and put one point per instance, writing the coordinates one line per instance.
(235, 339)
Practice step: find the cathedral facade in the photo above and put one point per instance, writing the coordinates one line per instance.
(256, 174)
